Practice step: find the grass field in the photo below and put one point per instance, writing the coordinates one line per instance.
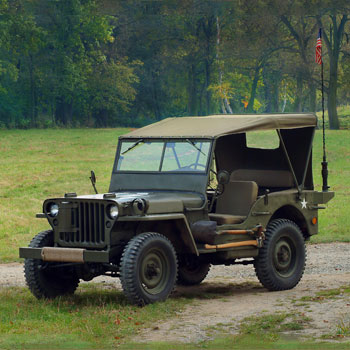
(97, 318)
(91, 319)
(39, 164)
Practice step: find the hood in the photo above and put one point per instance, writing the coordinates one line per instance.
(157, 202)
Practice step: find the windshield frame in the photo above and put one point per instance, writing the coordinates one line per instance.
(164, 140)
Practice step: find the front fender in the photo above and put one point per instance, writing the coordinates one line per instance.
(167, 224)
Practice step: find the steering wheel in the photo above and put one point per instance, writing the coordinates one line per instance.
(202, 166)
(193, 165)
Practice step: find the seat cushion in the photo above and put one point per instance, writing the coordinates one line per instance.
(226, 219)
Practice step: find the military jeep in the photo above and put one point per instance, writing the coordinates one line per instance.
(186, 193)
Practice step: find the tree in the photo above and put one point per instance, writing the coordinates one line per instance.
(302, 29)
(333, 40)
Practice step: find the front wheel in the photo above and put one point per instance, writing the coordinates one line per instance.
(47, 280)
(148, 268)
(281, 261)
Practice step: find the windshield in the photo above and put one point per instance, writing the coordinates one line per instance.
(164, 156)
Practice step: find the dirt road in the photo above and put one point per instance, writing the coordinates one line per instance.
(230, 294)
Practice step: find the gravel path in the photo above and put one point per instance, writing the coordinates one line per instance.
(327, 258)
(328, 267)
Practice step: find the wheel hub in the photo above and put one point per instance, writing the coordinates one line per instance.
(153, 271)
(282, 256)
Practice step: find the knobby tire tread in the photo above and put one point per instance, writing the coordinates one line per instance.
(261, 264)
(129, 260)
(32, 273)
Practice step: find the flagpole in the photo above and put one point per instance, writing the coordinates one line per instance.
(325, 186)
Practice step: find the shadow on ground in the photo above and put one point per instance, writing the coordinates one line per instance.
(214, 290)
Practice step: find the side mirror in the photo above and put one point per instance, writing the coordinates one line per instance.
(93, 180)
(93, 177)
(223, 177)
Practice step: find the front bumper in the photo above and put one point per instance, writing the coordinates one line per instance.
(70, 255)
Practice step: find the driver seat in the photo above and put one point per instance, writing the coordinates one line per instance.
(234, 204)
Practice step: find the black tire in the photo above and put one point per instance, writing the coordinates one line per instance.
(192, 271)
(148, 268)
(43, 281)
(281, 261)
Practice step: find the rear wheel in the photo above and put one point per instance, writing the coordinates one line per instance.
(47, 280)
(192, 271)
(281, 261)
(148, 268)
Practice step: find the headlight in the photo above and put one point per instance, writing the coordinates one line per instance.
(113, 212)
(53, 209)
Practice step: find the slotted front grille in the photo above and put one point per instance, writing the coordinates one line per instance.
(91, 222)
(82, 223)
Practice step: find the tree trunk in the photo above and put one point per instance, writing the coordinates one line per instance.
(207, 83)
(225, 104)
(333, 42)
(267, 89)
(192, 91)
(313, 105)
(332, 96)
(64, 113)
(59, 113)
(69, 113)
(34, 103)
(250, 107)
(275, 93)
(284, 97)
(156, 108)
(299, 94)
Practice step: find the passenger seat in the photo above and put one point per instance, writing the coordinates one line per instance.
(233, 206)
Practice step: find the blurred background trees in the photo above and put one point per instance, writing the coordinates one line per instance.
(116, 63)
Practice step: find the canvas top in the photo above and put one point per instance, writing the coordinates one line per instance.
(214, 126)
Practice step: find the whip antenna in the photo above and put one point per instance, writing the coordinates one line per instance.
(324, 163)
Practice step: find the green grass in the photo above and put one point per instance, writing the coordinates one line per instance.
(39, 164)
(343, 115)
(268, 327)
(327, 294)
(100, 318)
(334, 221)
(342, 330)
(93, 318)
(244, 343)
(270, 331)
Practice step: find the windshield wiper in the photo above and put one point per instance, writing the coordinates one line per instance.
(196, 147)
(133, 146)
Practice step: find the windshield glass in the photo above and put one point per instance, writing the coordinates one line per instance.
(160, 156)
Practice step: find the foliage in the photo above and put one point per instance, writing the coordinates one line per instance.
(55, 59)
(111, 63)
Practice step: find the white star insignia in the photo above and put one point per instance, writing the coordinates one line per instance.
(303, 204)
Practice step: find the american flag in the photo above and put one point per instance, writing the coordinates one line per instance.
(318, 56)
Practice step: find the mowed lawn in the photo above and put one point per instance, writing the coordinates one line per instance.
(39, 164)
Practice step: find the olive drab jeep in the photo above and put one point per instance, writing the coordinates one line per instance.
(186, 193)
